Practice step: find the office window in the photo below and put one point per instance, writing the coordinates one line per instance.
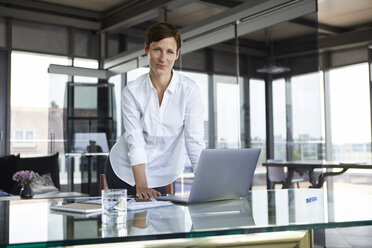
(307, 95)
(202, 80)
(18, 134)
(227, 111)
(258, 118)
(350, 113)
(29, 135)
(279, 118)
(36, 103)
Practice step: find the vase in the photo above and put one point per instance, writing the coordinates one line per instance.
(26, 192)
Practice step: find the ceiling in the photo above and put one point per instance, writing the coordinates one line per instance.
(335, 17)
(345, 14)
(337, 13)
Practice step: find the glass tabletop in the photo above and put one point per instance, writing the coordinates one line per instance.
(32, 222)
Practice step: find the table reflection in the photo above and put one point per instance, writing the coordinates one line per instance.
(159, 220)
(110, 231)
(222, 214)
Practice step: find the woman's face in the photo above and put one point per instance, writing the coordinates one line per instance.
(162, 55)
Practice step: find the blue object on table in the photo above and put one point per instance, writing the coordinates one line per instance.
(311, 199)
(2, 193)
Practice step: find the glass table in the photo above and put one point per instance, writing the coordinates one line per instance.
(30, 223)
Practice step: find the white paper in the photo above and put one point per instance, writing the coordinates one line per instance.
(133, 205)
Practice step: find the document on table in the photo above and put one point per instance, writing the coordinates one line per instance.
(134, 205)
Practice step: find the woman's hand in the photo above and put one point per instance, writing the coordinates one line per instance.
(143, 191)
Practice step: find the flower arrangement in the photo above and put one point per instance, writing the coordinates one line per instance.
(25, 177)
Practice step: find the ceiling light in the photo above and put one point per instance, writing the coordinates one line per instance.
(273, 69)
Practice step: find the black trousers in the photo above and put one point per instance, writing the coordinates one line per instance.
(114, 182)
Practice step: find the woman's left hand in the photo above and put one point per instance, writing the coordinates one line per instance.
(144, 192)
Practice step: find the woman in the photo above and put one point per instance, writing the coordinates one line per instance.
(163, 115)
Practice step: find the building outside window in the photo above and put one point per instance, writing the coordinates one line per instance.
(26, 139)
(307, 98)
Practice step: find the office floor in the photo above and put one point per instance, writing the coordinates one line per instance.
(349, 237)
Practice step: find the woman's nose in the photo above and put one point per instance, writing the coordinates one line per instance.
(162, 56)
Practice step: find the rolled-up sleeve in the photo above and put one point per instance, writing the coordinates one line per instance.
(194, 126)
(133, 129)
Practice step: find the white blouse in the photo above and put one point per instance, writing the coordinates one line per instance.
(158, 135)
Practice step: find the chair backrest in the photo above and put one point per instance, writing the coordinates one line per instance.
(274, 173)
(102, 182)
(42, 165)
(8, 166)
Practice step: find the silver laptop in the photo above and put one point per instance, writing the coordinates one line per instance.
(221, 174)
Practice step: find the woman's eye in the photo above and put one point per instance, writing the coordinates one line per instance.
(170, 52)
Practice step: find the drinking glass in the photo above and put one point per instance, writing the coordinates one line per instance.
(114, 206)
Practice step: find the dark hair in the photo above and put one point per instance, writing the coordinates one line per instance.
(161, 30)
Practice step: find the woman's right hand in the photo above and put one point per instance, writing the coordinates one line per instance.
(145, 192)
